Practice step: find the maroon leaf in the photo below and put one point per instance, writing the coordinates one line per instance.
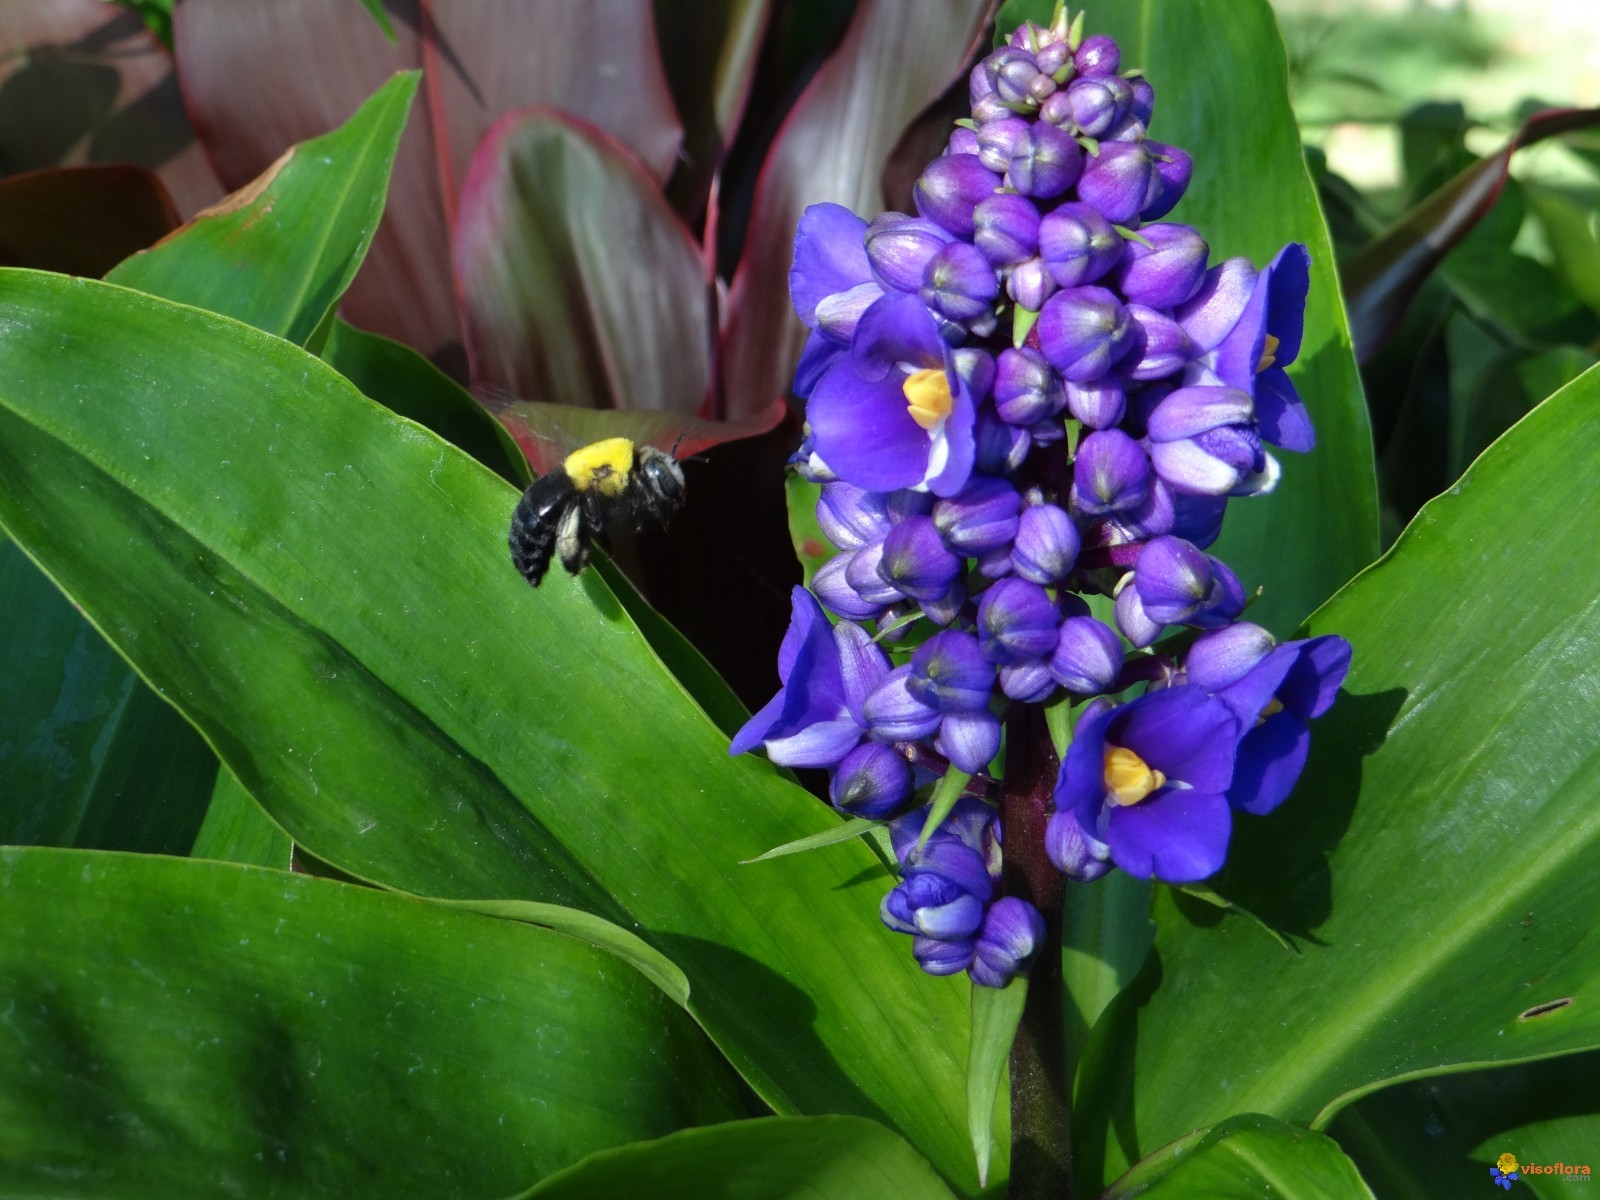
(1381, 281)
(580, 286)
(81, 220)
(87, 82)
(259, 77)
(897, 57)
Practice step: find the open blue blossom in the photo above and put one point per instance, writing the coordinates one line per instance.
(827, 672)
(830, 284)
(894, 412)
(1149, 780)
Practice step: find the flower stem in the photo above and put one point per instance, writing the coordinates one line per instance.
(1041, 1129)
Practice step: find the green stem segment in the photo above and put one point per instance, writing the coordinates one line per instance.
(1041, 1128)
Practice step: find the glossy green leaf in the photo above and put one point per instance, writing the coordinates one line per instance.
(236, 829)
(1508, 389)
(247, 257)
(1321, 524)
(89, 755)
(811, 545)
(794, 1158)
(1439, 1136)
(405, 382)
(348, 632)
(1247, 1158)
(996, 1013)
(1433, 866)
(1105, 936)
(1569, 224)
(184, 1028)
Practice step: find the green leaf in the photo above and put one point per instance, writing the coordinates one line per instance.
(1296, 542)
(237, 830)
(1506, 391)
(1440, 1136)
(89, 755)
(1434, 863)
(793, 1158)
(1247, 1158)
(175, 1027)
(844, 831)
(811, 545)
(405, 382)
(280, 252)
(349, 633)
(996, 1013)
(1105, 936)
(375, 9)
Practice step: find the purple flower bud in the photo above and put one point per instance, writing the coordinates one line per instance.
(838, 314)
(893, 714)
(1110, 473)
(1163, 349)
(1027, 683)
(850, 516)
(1098, 55)
(1203, 441)
(831, 585)
(1087, 657)
(1136, 624)
(980, 517)
(1173, 168)
(1152, 517)
(989, 109)
(872, 782)
(1017, 622)
(1118, 180)
(916, 561)
(1006, 229)
(951, 188)
(1098, 104)
(936, 907)
(1165, 271)
(1074, 853)
(1144, 98)
(1014, 73)
(959, 283)
(1174, 580)
(1030, 284)
(950, 673)
(961, 141)
(1001, 448)
(1078, 245)
(1226, 601)
(1084, 332)
(943, 958)
(1026, 390)
(945, 609)
(864, 574)
(1046, 546)
(1044, 162)
(1012, 933)
(899, 249)
(979, 83)
(998, 140)
(1057, 111)
(1052, 56)
(907, 503)
(1227, 655)
(1197, 519)
(969, 740)
(1099, 403)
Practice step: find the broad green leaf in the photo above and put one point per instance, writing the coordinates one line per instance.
(89, 756)
(1105, 936)
(1569, 225)
(237, 830)
(1433, 867)
(175, 1027)
(1439, 1136)
(1250, 195)
(405, 382)
(996, 1013)
(1506, 391)
(1247, 1158)
(347, 630)
(780, 1158)
(280, 252)
(811, 545)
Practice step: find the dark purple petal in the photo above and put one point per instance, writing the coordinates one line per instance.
(1314, 680)
(1000, 448)
(864, 431)
(1198, 519)
(1175, 836)
(1187, 735)
(1280, 414)
(816, 356)
(954, 860)
(1289, 283)
(1087, 656)
(828, 257)
(969, 740)
(808, 667)
(1271, 758)
(1081, 783)
(1084, 332)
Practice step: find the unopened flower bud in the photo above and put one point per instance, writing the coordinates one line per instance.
(1045, 161)
(1011, 935)
(998, 140)
(1227, 655)
(1098, 403)
(1098, 103)
(831, 586)
(893, 714)
(1078, 245)
(1046, 545)
(951, 188)
(863, 573)
(1163, 346)
(959, 283)
(950, 673)
(1074, 853)
(851, 517)
(900, 248)
(1001, 448)
(916, 561)
(1110, 473)
(1098, 55)
(980, 517)
(1006, 229)
(1164, 268)
(1087, 656)
(1030, 284)
(969, 740)
(1084, 332)
(1026, 390)
(1027, 682)
(1017, 622)
(872, 782)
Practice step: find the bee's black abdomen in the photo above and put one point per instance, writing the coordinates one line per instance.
(536, 522)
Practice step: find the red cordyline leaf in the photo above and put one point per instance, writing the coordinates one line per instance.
(259, 77)
(1381, 281)
(82, 220)
(898, 56)
(87, 82)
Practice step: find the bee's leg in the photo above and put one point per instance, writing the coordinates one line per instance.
(572, 539)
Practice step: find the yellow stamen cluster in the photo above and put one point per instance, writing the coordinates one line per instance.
(1129, 779)
(928, 397)
(1269, 354)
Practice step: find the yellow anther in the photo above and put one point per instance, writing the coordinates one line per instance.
(928, 397)
(1271, 707)
(1269, 354)
(1129, 779)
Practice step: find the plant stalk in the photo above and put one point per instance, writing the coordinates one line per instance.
(1041, 1126)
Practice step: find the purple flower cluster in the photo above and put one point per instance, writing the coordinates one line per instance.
(1032, 390)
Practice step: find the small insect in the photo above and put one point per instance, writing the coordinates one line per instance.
(608, 484)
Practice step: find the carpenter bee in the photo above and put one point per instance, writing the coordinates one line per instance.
(608, 484)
